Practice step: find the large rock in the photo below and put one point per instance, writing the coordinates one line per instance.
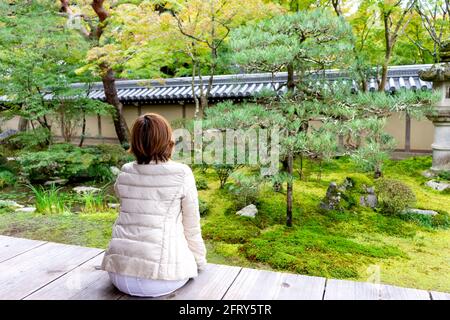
(9, 204)
(56, 182)
(113, 205)
(248, 211)
(436, 185)
(370, 199)
(26, 209)
(420, 211)
(84, 189)
(428, 174)
(7, 133)
(332, 198)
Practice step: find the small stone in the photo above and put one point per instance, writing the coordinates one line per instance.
(9, 204)
(248, 211)
(114, 205)
(59, 182)
(12, 158)
(84, 189)
(428, 174)
(26, 209)
(436, 185)
(369, 200)
(370, 190)
(114, 170)
(420, 211)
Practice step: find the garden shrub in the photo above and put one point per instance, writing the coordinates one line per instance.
(245, 190)
(201, 183)
(7, 178)
(113, 154)
(223, 172)
(203, 206)
(73, 163)
(31, 140)
(439, 221)
(394, 196)
(444, 175)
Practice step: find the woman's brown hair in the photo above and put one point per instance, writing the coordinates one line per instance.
(151, 139)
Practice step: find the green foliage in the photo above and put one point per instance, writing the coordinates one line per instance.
(223, 172)
(201, 183)
(32, 140)
(444, 175)
(37, 54)
(69, 162)
(394, 196)
(245, 190)
(439, 221)
(93, 202)
(49, 201)
(203, 207)
(305, 39)
(7, 178)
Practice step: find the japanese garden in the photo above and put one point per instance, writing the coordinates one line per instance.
(350, 98)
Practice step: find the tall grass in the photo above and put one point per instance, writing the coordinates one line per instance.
(48, 200)
(93, 202)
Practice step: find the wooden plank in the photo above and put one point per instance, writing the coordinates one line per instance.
(85, 282)
(26, 273)
(254, 284)
(211, 284)
(398, 293)
(351, 290)
(440, 295)
(11, 247)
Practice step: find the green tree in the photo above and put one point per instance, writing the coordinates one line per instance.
(101, 58)
(37, 55)
(302, 44)
(204, 26)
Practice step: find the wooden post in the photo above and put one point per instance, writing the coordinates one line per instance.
(139, 107)
(407, 133)
(99, 125)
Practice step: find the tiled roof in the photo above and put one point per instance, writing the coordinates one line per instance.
(239, 86)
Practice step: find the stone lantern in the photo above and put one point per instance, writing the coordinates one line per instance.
(439, 74)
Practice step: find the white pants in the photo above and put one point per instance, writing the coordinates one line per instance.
(145, 287)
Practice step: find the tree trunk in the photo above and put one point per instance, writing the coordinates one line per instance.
(378, 173)
(290, 80)
(289, 197)
(194, 96)
(384, 75)
(109, 85)
(289, 164)
(83, 130)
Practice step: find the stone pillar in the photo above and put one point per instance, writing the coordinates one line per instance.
(441, 144)
(439, 74)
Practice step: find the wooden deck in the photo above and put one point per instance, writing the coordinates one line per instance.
(31, 269)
